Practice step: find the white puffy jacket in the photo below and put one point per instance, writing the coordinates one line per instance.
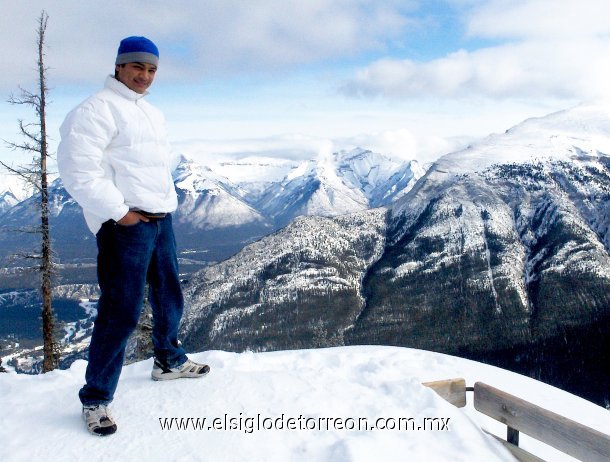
(114, 156)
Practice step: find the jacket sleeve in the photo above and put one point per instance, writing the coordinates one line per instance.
(85, 134)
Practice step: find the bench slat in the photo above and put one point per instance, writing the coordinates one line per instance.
(571, 437)
(520, 454)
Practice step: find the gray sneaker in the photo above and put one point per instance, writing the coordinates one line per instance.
(187, 370)
(98, 419)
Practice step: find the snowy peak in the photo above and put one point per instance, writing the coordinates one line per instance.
(255, 174)
(580, 131)
(194, 178)
(7, 201)
(210, 201)
(28, 209)
(332, 184)
(13, 189)
(399, 184)
(579, 134)
(15, 185)
(363, 169)
(338, 183)
(381, 179)
(313, 188)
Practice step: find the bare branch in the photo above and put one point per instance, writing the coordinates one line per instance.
(26, 174)
(21, 255)
(30, 176)
(13, 170)
(22, 147)
(24, 130)
(25, 270)
(25, 230)
(26, 98)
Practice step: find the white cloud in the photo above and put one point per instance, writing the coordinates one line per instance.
(524, 19)
(544, 49)
(403, 143)
(463, 94)
(196, 38)
(211, 152)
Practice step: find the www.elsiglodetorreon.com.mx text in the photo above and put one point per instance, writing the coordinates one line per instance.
(303, 423)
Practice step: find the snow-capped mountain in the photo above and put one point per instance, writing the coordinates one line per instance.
(7, 201)
(499, 252)
(312, 189)
(254, 175)
(340, 183)
(576, 133)
(13, 189)
(70, 236)
(509, 238)
(220, 211)
(213, 219)
(378, 177)
(207, 200)
(399, 184)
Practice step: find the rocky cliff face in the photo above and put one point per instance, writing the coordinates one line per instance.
(300, 287)
(498, 258)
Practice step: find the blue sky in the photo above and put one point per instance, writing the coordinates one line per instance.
(411, 78)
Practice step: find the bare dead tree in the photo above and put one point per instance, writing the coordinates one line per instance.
(35, 141)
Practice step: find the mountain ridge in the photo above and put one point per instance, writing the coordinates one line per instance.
(501, 261)
(217, 216)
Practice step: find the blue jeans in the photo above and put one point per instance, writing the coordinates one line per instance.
(128, 258)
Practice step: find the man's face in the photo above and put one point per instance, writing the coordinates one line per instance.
(136, 76)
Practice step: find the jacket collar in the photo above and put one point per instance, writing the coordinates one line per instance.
(122, 89)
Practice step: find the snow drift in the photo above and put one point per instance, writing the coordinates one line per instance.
(41, 414)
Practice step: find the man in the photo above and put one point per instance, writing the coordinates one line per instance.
(114, 160)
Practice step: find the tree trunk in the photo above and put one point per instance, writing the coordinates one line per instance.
(48, 319)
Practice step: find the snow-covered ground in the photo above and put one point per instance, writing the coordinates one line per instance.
(248, 393)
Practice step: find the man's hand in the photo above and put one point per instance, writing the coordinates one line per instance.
(132, 218)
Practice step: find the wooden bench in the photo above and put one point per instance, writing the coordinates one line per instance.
(568, 436)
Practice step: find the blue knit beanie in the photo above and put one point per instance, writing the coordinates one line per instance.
(137, 50)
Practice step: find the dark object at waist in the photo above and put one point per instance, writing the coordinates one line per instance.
(151, 215)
